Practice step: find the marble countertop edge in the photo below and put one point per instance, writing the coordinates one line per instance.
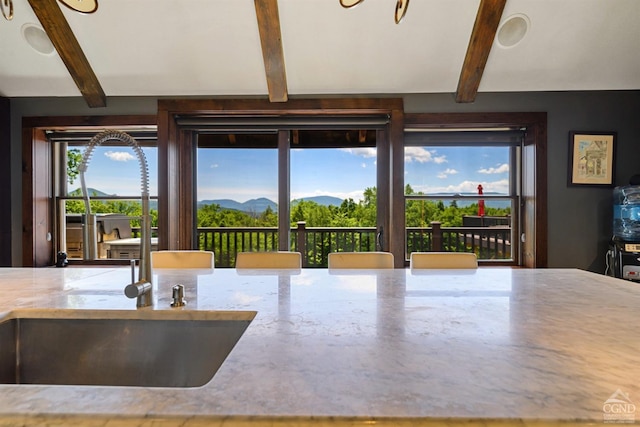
(279, 420)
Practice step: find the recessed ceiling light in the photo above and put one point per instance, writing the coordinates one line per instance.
(513, 30)
(37, 39)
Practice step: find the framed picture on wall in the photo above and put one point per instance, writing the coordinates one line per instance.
(592, 158)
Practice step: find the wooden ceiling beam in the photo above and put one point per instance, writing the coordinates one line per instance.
(272, 52)
(484, 32)
(65, 42)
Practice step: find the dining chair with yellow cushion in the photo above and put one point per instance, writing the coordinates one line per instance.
(182, 259)
(275, 259)
(360, 260)
(451, 260)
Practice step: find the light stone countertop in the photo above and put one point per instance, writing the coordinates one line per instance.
(498, 346)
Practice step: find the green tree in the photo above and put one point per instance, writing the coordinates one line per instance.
(348, 207)
(268, 218)
(367, 209)
(74, 159)
(312, 213)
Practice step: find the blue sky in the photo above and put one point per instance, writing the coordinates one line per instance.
(457, 170)
(243, 174)
(115, 170)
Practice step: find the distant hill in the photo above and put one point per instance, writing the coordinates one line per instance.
(492, 193)
(92, 192)
(153, 204)
(254, 205)
(321, 200)
(464, 203)
(260, 205)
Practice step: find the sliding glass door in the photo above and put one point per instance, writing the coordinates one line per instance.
(236, 195)
(312, 191)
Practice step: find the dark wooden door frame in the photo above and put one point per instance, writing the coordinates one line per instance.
(176, 215)
(175, 148)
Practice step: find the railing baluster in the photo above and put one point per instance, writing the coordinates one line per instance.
(316, 243)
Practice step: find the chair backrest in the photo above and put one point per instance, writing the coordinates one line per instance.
(182, 259)
(443, 260)
(280, 259)
(369, 260)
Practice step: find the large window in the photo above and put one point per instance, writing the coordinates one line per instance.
(333, 201)
(329, 189)
(342, 178)
(113, 181)
(462, 194)
(387, 127)
(236, 195)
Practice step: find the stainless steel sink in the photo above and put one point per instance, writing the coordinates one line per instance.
(117, 348)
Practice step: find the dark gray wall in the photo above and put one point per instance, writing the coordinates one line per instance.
(580, 218)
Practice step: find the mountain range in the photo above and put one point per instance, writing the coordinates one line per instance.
(261, 204)
(258, 205)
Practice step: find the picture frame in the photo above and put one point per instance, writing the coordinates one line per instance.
(592, 158)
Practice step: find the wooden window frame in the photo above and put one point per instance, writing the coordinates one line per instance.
(176, 220)
(533, 209)
(176, 159)
(38, 203)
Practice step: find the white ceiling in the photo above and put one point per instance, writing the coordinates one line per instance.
(212, 47)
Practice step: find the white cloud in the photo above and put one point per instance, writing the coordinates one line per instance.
(441, 159)
(364, 165)
(366, 152)
(215, 165)
(446, 173)
(417, 154)
(119, 156)
(450, 171)
(503, 168)
(500, 186)
(421, 155)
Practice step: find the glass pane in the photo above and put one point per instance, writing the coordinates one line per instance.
(470, 224)
(114, 170)
(456, 170)
(237, 193)
(334, 192)
(114, 185)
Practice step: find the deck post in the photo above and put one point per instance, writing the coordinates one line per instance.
(436, 237)
(301, 243)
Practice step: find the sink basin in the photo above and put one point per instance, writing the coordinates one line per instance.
(117, 348)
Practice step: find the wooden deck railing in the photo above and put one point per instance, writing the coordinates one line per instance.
(315, 243)
(489, 243)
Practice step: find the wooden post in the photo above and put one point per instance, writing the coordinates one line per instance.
(436, 237)
(301, 243)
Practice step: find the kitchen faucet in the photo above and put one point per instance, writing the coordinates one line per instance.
(140, 289)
